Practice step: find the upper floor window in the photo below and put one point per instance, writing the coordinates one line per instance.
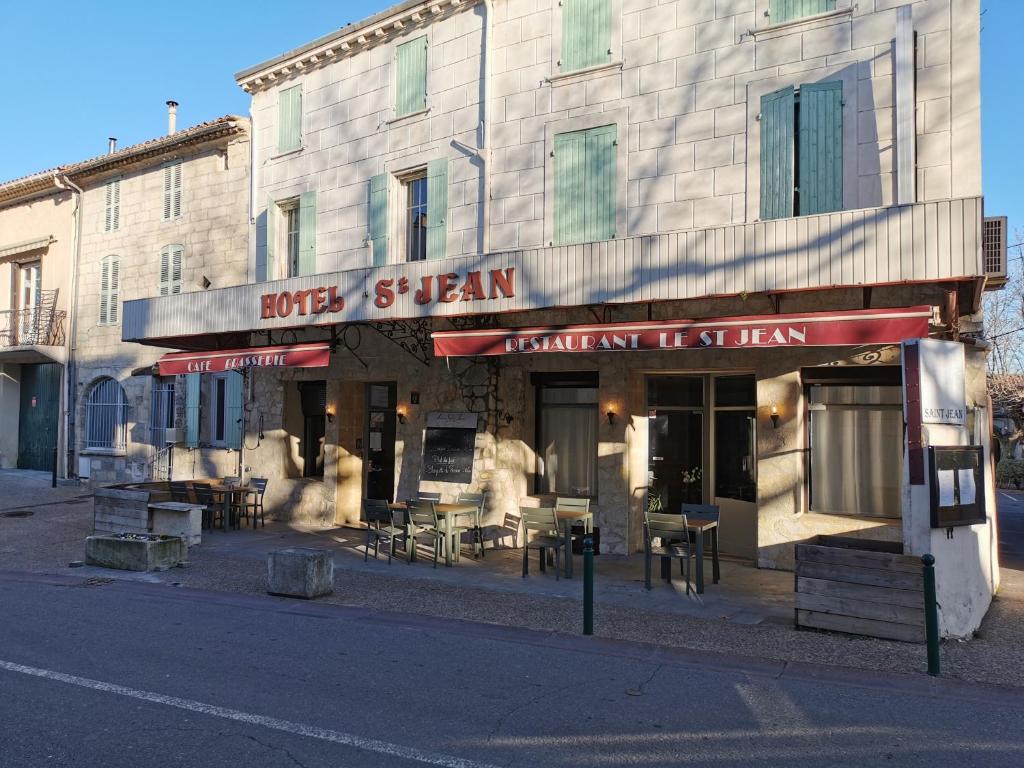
(781, 11)
(411, 77)
(802, 150)
(291, 237)
(112, 208)
(172, 190)
(106, 417)
(585, 185)
(110, 290)
(416, 217)
(171, 265)
(289, 119)
(421, 224)
(587, 31)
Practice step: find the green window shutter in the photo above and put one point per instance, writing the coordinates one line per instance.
(289, 119)
(437, 208)
(171, 265)
(268, 266)
(777, 119)
(378, 218)
(193, 386)
(781, 11)
(307, 233)
(585, 185)
(411, 76)
(586, 33)
(172, 190)
(233, 410)
(820, 147)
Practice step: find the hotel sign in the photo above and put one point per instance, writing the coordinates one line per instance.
(812, 329)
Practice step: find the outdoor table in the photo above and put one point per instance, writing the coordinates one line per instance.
(567, 518)
(228, 493)
(450, 513)
(699, 526)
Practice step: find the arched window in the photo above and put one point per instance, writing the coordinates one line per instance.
(106, 416)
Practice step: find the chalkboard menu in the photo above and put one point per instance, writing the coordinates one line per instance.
(448, 447)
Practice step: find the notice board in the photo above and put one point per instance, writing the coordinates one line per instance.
(448, 447)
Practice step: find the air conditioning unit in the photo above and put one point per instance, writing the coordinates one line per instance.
(993, 251)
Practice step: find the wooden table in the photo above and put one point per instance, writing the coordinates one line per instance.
(699, 525)
(567, 518)
(228, 493)
(450, 513)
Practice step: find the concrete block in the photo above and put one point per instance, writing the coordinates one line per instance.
(146, 553)
(172, 518)
(300, 572)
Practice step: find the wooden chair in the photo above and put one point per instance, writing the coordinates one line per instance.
(544, 524)
(673, 536)
(212, 509)
(255, 507)
(382, 523)
(477, 529)
(422, 521)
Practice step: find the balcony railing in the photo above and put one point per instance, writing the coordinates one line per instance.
(41, 325)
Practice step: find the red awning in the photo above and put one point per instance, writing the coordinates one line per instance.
(290, 356)
(804, 329)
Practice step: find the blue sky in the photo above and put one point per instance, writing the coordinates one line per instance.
(78, 72)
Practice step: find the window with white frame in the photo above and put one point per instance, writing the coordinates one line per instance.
(110, 290)
(408, 213)
(112, 206)
(414, 189)
(290, 216)
(172, 190)
(291, 237)
(106, 417)
(226, 409)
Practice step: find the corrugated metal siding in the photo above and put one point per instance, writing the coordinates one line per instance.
(820, 147)
(927, 241)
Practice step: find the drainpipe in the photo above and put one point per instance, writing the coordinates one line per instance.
(252, 191)
(485, 128)
(67, 391)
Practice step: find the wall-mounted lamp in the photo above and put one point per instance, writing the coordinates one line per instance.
(329, 412)
(401, 414)
(773, 414)
(611, 415)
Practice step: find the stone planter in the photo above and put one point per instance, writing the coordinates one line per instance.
(300, 572)
(135, 552)
(173, 518)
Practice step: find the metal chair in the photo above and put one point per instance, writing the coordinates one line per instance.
(212, 510)
(422, 521)
(477, 529)
(428, 496)
(232, 480)
(581, 507)
(706, 512)
(544, 524)
(382, 522)
(259, 486)
(179, 491)
(673, 536)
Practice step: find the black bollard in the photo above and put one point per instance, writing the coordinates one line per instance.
(931, 614)
(588, 586)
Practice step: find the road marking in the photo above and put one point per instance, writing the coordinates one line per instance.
(1011, 498)
(299, 729)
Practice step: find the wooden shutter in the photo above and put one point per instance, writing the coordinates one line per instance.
(788, 10)
(777, 118)
(585, 185)
(378, 218)
(289, 119)
(112, 217)
(193, 385)
(104, 290)
(586, 33)
(233, 410)
(820, 147)
(171, 264)
(437, 208)
(307, 233)
(110, 269)
(411, 76)
(172, 190)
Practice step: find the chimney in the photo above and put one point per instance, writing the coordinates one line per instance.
(111, 145)
(172, 116)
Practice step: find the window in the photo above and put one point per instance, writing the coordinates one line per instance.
(415, 217)
(290, 214)
(291, 231)
(110, 290)
(226, 413)
(106, 417)
(161, 416)
(735, 448)
(172, 190)
(585, 185)
(313, 398)
(802, 150)
(566, 447)
(289, 119)
(586, 34)
(171, 258)
(423, 225)
(781, 11)
(112, 217)
(411, 77)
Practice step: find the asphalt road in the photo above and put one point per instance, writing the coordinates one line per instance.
(1011, 529)
(131, 674)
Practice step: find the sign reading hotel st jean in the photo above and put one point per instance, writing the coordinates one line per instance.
(808, 329)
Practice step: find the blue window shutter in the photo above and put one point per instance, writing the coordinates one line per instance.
(233, 410)
(289, 119)
(586, 33)
(820, 147)
(268, 267)
(307, 233)
(411, 76)
(777, 119)
(781, 11)
(437, 208)
(193, 383)
(585, 185)
(378, 218)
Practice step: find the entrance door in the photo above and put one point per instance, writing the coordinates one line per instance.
(40, 408)
(30, 291)
(380, 440)
(675, 441)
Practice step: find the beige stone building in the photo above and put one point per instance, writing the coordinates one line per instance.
(686, 252)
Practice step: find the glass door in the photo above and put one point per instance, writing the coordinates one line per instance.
(30, 291)
(676, 445)
(380, 441)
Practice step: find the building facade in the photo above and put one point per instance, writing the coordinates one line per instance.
(665, 253)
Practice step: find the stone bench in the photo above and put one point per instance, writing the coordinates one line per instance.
(175, 518)
(300, 572)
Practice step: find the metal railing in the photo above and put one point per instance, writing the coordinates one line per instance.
(42, 324)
